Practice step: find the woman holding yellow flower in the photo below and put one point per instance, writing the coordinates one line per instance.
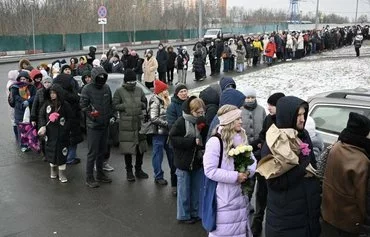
(232, 215)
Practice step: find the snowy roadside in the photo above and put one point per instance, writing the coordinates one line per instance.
(306, 78)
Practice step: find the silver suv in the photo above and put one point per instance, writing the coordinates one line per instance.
(330, 110)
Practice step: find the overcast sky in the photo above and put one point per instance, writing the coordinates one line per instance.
(341, 7)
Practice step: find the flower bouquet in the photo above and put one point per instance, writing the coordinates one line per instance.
(242, 159)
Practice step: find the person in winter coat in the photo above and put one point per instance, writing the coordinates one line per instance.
(170, 64)
(289, 47)
(249, 51)
(54, 119)
(91, 55)
(67, 70)
(199, 62)
(158, 105)
(22, 94)
(257, 49)
(240, 57)
(12, 79)
(150, 67)
(124, 58)
(24, 64)
(139, 68)
(182, 65)
(96, 102)
(130, 101)
(188, 137)
(300, 46)
(293, 196)
(162, 59)
(231, 213)
(232, 45)
(219, 49)
(317, 142)
(117, 65)
(104, 62)
(270, 51)
(252, 116)
(174, 110)
(358, 42)
(261, 187)
(71, 96)
(132, 60)
(36, 78)
(345, 181)
(226, 56)
(212, 57)
(83, 66)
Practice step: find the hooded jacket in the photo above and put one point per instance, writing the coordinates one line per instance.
(226, 82)
(211, 99)
(99, 99)
(293, 200)
(174, 110)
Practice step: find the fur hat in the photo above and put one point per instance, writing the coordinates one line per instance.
(96, 63)
(358, 124)
(179, 87)
(159, 86)
(273, 99)
(130, 75)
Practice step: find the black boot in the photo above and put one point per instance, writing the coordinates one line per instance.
(130, 176)
(140, 174)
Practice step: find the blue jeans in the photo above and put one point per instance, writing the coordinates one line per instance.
(72, 152)
(160, 143)
(188, 190)
(226, 64)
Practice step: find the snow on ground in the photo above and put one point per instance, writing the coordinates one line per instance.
(306, 78)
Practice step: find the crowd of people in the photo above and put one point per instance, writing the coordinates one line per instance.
(197, 133)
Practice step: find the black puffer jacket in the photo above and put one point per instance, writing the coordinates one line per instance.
(38, 102)
(162, 59)
(211, 99)
(293, 201)
(100, 99)
(184, 147)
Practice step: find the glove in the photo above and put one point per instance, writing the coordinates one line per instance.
(42, 131)
(25, 104)
(94, 113)
(53, 116)
(201, 123)
(112, 120)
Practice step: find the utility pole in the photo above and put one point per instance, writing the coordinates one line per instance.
(200, 19)
(356, 12)
(33, 26)
(317, 14)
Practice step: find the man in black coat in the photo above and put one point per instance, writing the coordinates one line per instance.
(162, 59)
(96, 101)
(293, 199)
(219, 49)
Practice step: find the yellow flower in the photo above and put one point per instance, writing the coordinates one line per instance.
(240, 149)
(236, 152)
(231, 152)
(249, 148)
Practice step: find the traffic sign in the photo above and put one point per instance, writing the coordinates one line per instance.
(102, 12)
(102, 21)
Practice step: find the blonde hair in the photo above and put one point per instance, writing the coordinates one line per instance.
(228, 131)
(196, 104)
(166, 98)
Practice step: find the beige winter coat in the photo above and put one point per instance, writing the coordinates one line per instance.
(150, 68)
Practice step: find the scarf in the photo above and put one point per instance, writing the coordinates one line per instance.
(250, 105)
(355, 140)
(190, 127)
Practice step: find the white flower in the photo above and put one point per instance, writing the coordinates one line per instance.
(236, 152)
(231, 152)
(249, 148)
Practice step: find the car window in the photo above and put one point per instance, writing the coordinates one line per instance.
(333, 119)
(114, 84)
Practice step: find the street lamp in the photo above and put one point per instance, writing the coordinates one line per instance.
(200, 20)
(134, 7)
(33, 26)
(317, 14)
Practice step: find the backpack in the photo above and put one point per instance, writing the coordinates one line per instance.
(208, 199)
(322, 160)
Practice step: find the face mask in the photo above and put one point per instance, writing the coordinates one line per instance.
(160, 47)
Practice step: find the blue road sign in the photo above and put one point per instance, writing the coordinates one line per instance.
(102, 12)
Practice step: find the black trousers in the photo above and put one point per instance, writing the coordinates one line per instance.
(255, 60)
(170, 74)
(218, 65)
(138, 163)
(212, 63)
(261, 202)
(97, 143)
(357, 52)
(162, 76)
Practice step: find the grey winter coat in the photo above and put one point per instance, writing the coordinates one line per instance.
(130, 101)
(158, 116)
(253, 122)
(240, 52)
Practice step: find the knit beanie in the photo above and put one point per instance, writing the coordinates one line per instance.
(130, 75)
(273, 99)
(179, 87)
(47, 78)
(96, 63)
(249, 92)
(64, 67)
(159, 86)
(358, 124)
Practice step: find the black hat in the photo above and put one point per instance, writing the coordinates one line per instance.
(129, 75)
(273, 99)
(179, 87)
(358, 124)
(64, 67)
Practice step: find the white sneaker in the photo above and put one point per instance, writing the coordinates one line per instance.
(107, 167)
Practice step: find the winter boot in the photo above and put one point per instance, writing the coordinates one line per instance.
(140, 174)
(53, 171)
(62, 174)
(130, 176)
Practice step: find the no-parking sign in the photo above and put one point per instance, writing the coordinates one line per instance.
(102, 12)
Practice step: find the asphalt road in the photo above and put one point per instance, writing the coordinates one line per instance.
(32, 204)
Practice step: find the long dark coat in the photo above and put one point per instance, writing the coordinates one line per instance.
(58, 132)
